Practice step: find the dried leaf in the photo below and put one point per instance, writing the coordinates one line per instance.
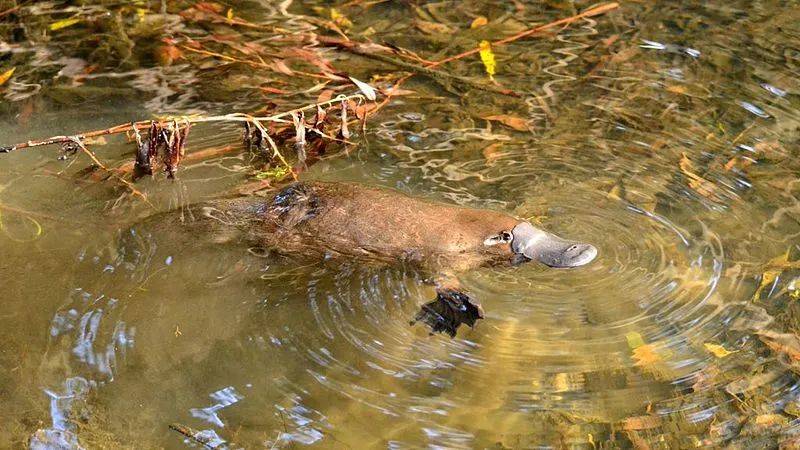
(718, 350)
(344, 132)
(517, 123)
(775, 268)
(324, 96)
(784, 343)
(299, 121)
(433, 27)
(749, 383)
(167, 54)
(648, 358)
(696, 182)
(641, 423)
(397, 92)
(487, 57)
(771, 420)
(210, 7)
(645, 355)
(492, 152)
(5, 76)
(615, 193)
(272, 90)
(280, 66)
(479, 22)
(63, 24)
(365, 89)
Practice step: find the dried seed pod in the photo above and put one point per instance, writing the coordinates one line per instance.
(142, 165)
(247, 137)
(319, 119)
(300, 135)
(171, 151)
(258, 140)
(344, 133)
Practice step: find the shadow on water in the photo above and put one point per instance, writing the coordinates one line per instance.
(666, 135)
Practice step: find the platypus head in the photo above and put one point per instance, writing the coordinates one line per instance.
(532, 244)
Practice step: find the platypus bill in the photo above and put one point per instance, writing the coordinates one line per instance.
(376, 224)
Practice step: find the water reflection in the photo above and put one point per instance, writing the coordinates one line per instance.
(665, 136)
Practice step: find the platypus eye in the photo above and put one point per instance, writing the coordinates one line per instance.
(504, 237)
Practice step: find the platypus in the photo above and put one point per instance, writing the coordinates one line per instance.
(336, 219)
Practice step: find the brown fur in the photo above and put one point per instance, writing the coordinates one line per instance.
(369, 223)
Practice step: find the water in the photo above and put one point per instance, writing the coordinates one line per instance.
(666, 136)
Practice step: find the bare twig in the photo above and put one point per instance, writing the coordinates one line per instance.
(113, 174)
(198, 436)
(445, 79)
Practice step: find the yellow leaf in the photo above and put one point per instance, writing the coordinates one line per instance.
(487, 56)
(230, 14)
(340, 19)
(140, 13)
(634, 340)
(718, 350)
(5, 76)
(614, 193)
(769, 276)
(63, 24)
(645, 356)
(479, 22)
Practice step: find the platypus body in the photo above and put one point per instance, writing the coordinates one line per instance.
(375, 224)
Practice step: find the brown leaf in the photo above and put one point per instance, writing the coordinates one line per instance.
(699, 184)
(210, 7)
(492, 152)
(397, 92)
(750, 383)
(325, 95)
(609, 41)
(433, 27)
(272, 90)
(167, 54)
(281, 67)
(641, 423)
(517, 123)
(785, 343)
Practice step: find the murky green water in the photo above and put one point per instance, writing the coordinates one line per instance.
(665, 134)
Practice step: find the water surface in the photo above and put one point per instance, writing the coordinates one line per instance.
(665, 134)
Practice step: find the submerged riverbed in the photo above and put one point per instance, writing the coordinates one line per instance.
(665, 134)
